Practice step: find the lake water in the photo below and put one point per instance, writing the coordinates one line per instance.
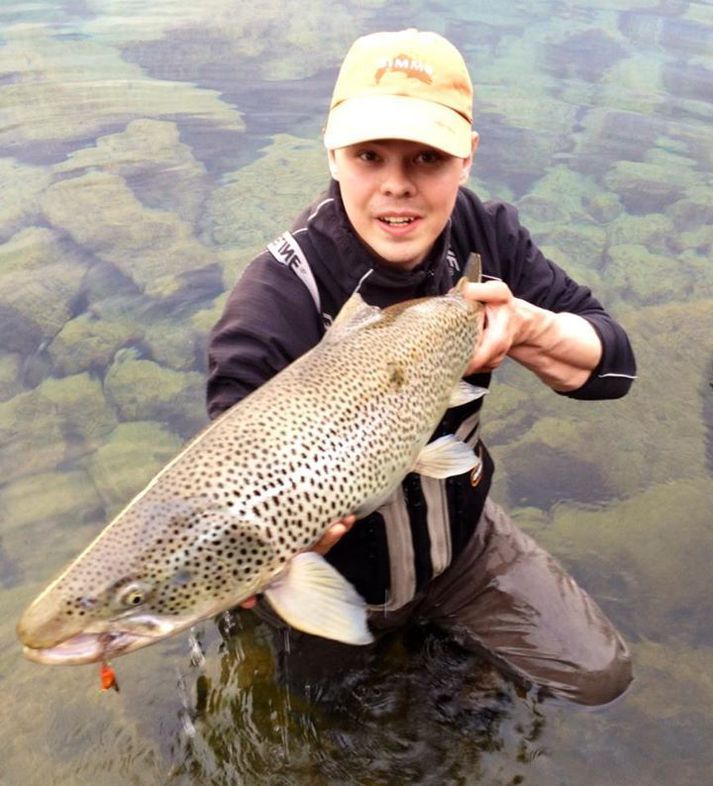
(147, 152)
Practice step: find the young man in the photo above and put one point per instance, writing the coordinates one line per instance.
(398, 222)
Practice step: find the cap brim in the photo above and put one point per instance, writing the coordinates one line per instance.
(398, 117)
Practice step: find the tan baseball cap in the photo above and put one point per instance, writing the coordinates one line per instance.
(409, 85)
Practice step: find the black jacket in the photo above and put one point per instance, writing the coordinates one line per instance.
(270, 319)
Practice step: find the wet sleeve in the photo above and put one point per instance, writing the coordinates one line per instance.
(268, 321)
(535, 278)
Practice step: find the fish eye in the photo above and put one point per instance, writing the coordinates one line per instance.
(133, 594)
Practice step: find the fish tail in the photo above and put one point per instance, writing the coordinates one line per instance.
(472, 273)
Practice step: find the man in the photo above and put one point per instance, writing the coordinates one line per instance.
(398, 223)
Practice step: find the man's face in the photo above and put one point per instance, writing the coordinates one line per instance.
(398, 195)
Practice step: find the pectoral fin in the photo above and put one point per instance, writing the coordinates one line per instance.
(444, 457)
(464, 392)
(315, 598)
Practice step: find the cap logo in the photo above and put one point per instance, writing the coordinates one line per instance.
(405, 65)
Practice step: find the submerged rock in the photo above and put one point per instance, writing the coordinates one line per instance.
(10, 368)
(142, 390)
(88, 344)
(641, 277)
(243, 213)
(126, 462)
(644, 187)
(152, 247)
(40, 278)
(150, 157)
(68, 89)
(22, 185)
(46, 500)
(646, 543)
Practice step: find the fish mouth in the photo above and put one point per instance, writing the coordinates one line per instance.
(88, 648)
(109, 641)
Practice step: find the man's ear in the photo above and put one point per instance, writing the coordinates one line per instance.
(468, 162)
(331, 159)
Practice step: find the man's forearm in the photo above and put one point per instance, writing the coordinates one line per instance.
(561, 349)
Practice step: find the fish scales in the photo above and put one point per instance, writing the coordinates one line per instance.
(333, 433)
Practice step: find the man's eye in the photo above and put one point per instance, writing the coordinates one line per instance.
(367, 155)
(429, 157)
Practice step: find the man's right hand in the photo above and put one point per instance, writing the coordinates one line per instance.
(330, 538)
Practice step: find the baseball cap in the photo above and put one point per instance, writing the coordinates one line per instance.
(411, 85)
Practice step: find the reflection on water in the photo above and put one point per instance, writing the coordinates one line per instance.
(412, 711)
(146, 153)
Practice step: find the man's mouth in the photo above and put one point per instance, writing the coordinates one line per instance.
(396, 221)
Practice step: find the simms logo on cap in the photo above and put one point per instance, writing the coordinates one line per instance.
(404, 64)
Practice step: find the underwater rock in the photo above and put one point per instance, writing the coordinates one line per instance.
(635, 84)
(243, 213)
(177, 346)
(86, 418)
(88, 344)
(634, 442)
(690, 81)
(215, 40)
(655, 231)
(152, 247)
(68, 89)
(603, 207)
(609, 137)
(693, 211)
(31, 437)
(642, 277)
(46, 500)
(57, 421)
(10, 368)
(149, 155)
(650, 541)
(141, 389)
(586, 55)
(559, 196)
(552, 462)
(578, 247)
(22, 185)
(40, 278)
(132, 454)
(644, 187)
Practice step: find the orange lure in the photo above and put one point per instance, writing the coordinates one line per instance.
(107, 675)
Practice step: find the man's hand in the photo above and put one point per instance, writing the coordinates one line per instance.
(501, 324)
(330, 538)
(561, 348)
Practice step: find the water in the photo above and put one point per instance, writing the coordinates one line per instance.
(146, 153)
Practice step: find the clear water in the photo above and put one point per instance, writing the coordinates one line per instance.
(147, 151)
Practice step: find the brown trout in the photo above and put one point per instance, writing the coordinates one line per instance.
(237, 511)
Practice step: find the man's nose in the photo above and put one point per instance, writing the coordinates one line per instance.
(397, 181)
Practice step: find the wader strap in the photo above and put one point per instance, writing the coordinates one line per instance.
(286, 250)
(401, 556)
(434, 493)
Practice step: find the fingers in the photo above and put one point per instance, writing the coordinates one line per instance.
(493, 292)
(332, 536)
(499, 325)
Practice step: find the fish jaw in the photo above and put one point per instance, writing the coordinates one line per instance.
(108, 640)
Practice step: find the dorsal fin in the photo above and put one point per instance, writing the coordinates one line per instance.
(355, 313)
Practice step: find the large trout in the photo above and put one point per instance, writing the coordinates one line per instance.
(236, 512)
